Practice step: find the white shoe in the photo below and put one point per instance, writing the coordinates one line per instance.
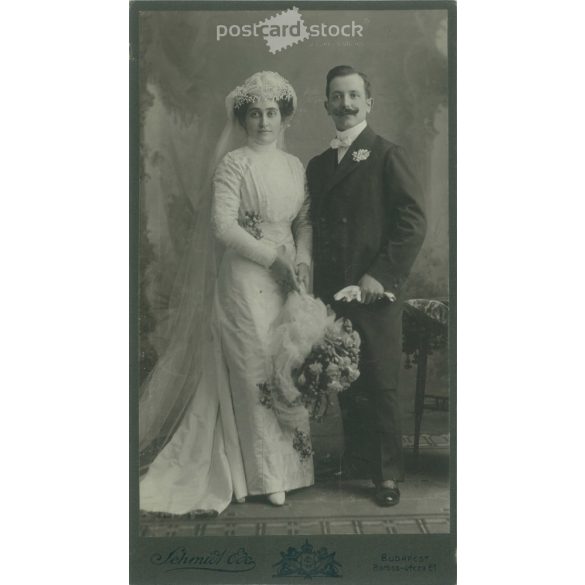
(277, 498)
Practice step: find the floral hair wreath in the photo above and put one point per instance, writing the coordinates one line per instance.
(265, 84)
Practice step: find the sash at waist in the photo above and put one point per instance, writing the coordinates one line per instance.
(276, 233)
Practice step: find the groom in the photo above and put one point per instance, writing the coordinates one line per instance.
(368, 225)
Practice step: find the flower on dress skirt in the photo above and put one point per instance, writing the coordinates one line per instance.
(302, 444)
(265, 395)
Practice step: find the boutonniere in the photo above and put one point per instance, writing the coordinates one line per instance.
(361, 154)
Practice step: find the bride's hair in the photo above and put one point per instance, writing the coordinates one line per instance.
(285, 105)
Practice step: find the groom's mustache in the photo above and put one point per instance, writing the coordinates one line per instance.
(343, 111)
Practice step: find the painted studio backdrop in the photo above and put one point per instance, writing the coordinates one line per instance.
(185, 74)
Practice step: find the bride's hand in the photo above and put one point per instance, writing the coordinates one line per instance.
(303, 274)
(284, 272)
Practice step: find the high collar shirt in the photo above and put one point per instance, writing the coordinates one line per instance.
(346, 137)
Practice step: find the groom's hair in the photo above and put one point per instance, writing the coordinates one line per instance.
(342, 71)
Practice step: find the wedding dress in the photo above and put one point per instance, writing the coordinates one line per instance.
(230, 444)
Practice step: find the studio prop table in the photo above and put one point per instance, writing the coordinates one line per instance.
(425, 328)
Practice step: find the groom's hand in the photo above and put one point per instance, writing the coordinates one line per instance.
(372, 290)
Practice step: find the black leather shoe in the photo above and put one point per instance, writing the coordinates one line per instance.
(386, 496)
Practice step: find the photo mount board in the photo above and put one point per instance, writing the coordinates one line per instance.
(353, 558)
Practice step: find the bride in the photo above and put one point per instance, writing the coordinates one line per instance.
(226, 441)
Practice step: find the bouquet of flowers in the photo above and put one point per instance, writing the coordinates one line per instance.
(314, 356)
(330, 368)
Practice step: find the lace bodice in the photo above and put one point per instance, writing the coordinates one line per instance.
(265, 183)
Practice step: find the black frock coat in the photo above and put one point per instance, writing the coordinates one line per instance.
(368, 217)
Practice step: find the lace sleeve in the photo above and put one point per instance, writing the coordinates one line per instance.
(303, 232)
(226, 206)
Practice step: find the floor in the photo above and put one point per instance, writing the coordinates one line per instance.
(334, 506)
(342, 506)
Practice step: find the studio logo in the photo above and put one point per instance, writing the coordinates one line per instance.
(286, 29)
(307, 562)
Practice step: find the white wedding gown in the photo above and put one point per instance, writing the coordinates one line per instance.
(229, 444)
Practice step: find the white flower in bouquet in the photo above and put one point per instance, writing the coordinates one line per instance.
(315, 368)
(332, 370)
(335, 386)
(353, 374)
(349, 342)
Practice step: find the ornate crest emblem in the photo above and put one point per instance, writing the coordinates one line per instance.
(361, 154)
(307, 562)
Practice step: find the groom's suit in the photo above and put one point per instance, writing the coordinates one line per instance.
(368, 218)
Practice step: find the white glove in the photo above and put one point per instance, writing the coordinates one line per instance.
(354, 293)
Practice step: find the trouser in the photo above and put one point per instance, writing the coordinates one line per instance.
(372, 433)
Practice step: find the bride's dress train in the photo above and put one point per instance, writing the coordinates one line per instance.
(201, 467)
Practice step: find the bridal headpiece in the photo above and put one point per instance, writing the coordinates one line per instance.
(264, 84)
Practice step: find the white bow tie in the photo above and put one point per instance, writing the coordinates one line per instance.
(340, 142)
